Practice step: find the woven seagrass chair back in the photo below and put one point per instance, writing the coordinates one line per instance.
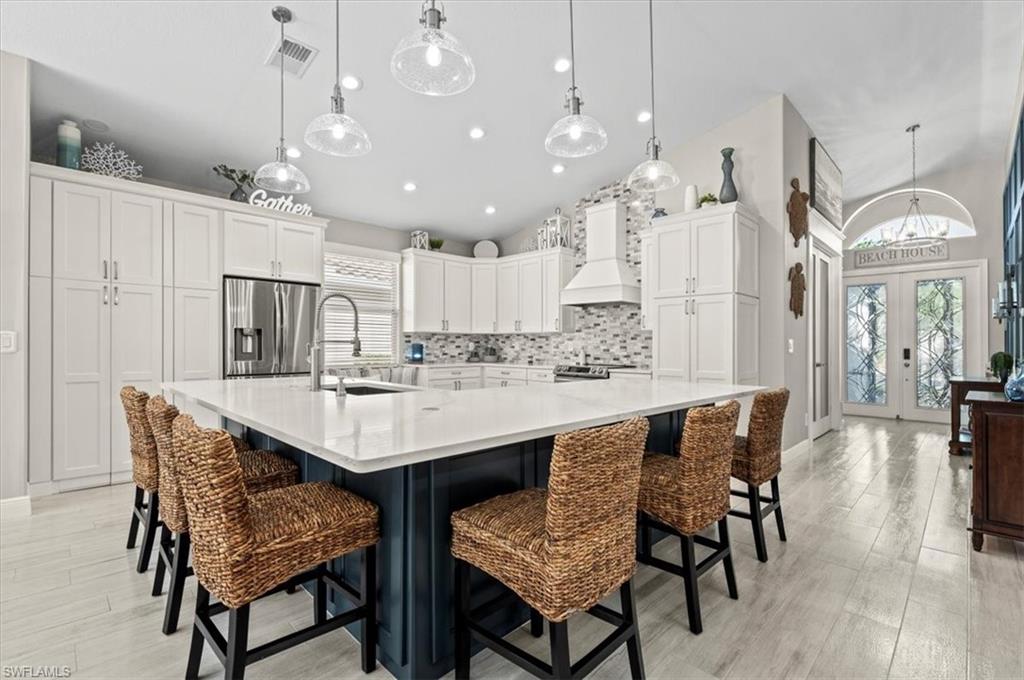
(145, 469)
(592, 491)
(217, 503)
(705, 464)
(172, 503)
(764, 434)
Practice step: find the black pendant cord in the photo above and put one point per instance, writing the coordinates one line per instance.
(913, 159)
(337, 43)
(650, 23)
(281, 56)
(572, 50)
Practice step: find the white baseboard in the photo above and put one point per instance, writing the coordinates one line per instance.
(56, 486)
(38, 489)
(799, 447)
(19, 506)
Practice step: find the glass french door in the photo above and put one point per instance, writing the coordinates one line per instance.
(906, 335)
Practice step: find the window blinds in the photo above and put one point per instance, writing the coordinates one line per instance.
(373, 285)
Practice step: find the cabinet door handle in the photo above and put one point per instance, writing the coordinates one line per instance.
(106, 298)
(495, 326)
(687, 285)
(117, 298)
(104, 269)
(273, 268)
(643, 321)
(558, 324)
(115, 270)
(280, 269)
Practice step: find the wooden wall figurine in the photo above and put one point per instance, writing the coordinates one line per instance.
(797, 209)
(797, 286)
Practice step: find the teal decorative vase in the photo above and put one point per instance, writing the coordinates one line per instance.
(728, 193)
(1014, 389)
(69, 145)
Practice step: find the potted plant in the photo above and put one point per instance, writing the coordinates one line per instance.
(436, 243)
(707, 199)
(240, 178)
(1001, 364)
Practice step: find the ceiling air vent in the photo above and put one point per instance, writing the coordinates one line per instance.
(297, 56)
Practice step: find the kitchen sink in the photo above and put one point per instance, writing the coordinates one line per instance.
(369, 389)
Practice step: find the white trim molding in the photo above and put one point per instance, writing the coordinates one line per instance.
(20, 506)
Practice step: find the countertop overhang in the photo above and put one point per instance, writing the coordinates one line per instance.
(369, 433)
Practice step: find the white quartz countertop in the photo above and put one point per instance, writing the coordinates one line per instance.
(367, 433)
(483, 364)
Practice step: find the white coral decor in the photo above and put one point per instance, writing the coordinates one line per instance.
(107, 159)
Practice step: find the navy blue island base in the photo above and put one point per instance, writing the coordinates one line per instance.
(416, 577)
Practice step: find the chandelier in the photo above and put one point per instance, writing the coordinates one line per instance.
(917, 231)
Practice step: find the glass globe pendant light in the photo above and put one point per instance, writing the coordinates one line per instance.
(431, 61)
(653, 174)
(280, 175)
(335, 133)
(575, 135)
(917, 231)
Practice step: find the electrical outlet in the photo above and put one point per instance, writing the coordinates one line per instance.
(8, 342)
(790, 346)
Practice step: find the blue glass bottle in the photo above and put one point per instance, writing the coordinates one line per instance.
(1014, 389)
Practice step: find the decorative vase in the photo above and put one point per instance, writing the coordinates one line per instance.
(728, 192)
(690, 198)
(239, 195)
(69, 145)
(1014, 389)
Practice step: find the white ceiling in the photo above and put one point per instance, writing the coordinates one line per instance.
(183, 87)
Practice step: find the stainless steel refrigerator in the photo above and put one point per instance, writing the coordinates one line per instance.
(268, 326)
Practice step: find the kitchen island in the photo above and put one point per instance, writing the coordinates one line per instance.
(422, 454)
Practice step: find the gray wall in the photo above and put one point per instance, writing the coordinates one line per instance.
(14, 140)
(350, 232)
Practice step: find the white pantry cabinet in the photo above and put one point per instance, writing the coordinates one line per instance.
(196, 247)
(646, 285)
(484, 317)
(197, 331)
(706, 338)
(136, 239)
(261, 247)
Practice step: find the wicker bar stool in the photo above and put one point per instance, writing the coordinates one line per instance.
(145, 474)
(261, 470)
(756, 459)
(561, 551)
(247, 546)
(686, 494)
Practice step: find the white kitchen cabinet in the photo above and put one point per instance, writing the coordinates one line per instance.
(558, 270)
(484, 317)
(260, 247)
(197, 328)
(300, 252)
(531, 296)
(81, 232)
(508, 297)
(670, 274)
(196, 247)
(458, 296)
(136, 356)
(671, 340)
(706, 338)
(456, 384)
(422, 293)
(711, 324)
(250, 246)
(646, 285)
(81, 378)
(136, 239)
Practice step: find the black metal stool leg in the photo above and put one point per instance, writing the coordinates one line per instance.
(636, 659)
(561, 665)
(758, 522)
(536, 623)
(133, 527)
(179, 571)
(777, 500)
(149, 532)
(165, 548)
(195, 650)
(690, 584)
(238, 638)
(320, 601)
(462, 640)
(730, 575)
(369, 586)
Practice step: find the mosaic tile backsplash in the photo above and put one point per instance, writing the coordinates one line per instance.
(608, 333)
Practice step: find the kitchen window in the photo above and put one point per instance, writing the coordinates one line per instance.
(370, 278)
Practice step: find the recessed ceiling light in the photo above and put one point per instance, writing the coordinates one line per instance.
(562, 65)
(351, 82)
(409, 186)
(477, 133)
(489, 210)
(294, 152)
(558, 168)
(643, 116)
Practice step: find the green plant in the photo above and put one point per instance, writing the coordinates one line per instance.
(436, 243)
(240, 178)
(1001, 363)
(708, 198)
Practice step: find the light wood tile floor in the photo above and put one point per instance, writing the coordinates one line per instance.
(877, 580)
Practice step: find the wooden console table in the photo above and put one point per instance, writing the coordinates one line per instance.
(997, 501)
(958, 389)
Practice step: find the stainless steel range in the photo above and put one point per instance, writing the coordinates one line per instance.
(569, 373)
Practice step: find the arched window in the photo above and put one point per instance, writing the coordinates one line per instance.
(882, 233)
(877, 221)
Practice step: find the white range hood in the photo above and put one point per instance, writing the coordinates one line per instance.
(605, 278)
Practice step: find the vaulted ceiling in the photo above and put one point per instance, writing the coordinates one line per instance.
(183, 86)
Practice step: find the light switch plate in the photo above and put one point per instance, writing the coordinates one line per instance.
(790, 346)
(8, 342)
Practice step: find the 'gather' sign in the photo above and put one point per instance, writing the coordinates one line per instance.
(282, 203)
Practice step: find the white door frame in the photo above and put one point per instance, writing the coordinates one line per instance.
(835, 340)
(975, 324)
